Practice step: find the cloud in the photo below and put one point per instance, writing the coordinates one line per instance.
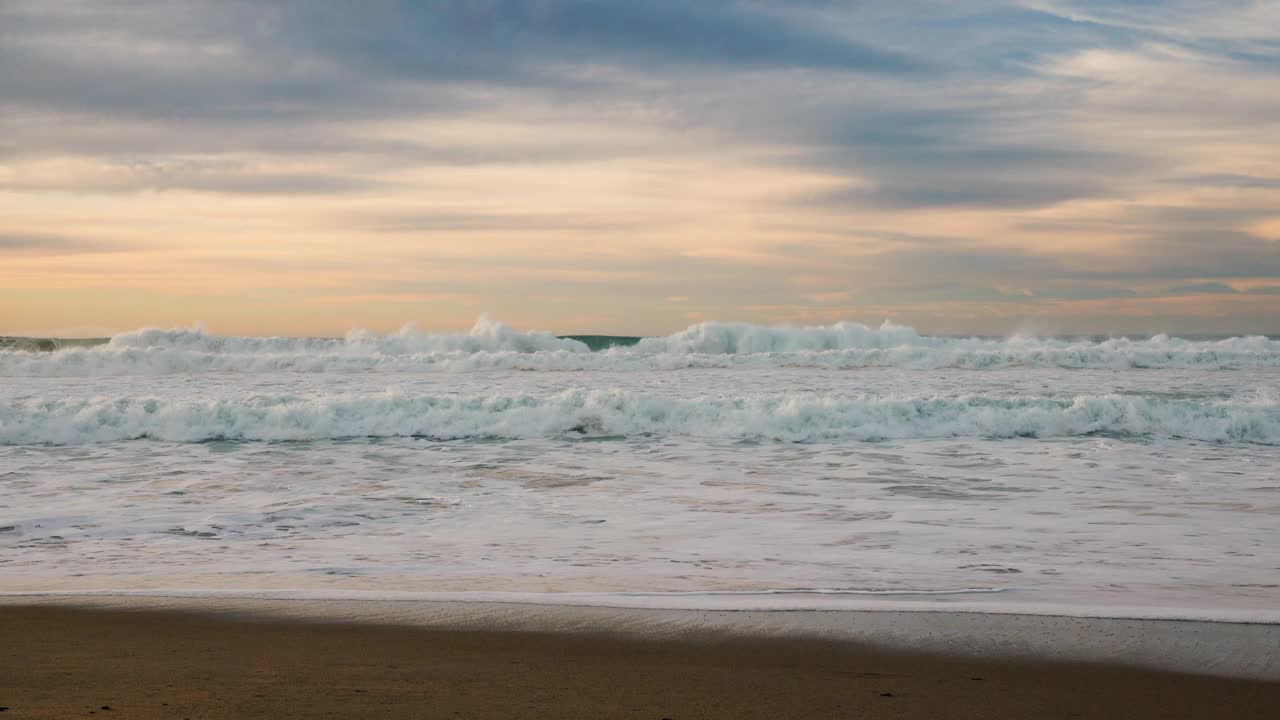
(217, 178)
(404, 298)
(993, 157)
(1228, 180)
(1230, 21)
(43, 244)
(1205, 288)
(1197, 254)
(245, 61)
(508, 39)
(941, 158)
(488, 222)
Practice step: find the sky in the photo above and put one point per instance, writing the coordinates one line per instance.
(303, 167)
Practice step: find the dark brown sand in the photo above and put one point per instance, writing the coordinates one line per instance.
(66, 663)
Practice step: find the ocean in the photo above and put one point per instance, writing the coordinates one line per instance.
(724, 466)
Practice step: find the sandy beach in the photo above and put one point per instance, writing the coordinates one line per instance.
(75, 662)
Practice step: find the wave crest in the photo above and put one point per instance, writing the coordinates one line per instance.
(575, 413)
(486, 335)
(492, 345)
(715, 338)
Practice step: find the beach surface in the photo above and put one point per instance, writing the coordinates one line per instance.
(178, 659)
(731, 521)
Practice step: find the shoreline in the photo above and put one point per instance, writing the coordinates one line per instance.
(1220, 648)
(979, 601)
(293, 659)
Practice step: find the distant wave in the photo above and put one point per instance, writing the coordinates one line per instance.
(486, 336)
(579, 413)
(493, 345)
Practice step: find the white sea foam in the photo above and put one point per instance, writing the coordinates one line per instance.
(1056, 472)
(485, 336)
(493, 345)
(797, 417)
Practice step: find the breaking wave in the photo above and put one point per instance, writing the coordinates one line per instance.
(616, 413)
(493, 345)
(486, 336)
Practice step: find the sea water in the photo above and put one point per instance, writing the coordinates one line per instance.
(727, 465)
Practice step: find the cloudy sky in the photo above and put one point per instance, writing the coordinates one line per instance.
(308, 166)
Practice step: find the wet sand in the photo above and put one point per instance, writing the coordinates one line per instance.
(60, 662)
